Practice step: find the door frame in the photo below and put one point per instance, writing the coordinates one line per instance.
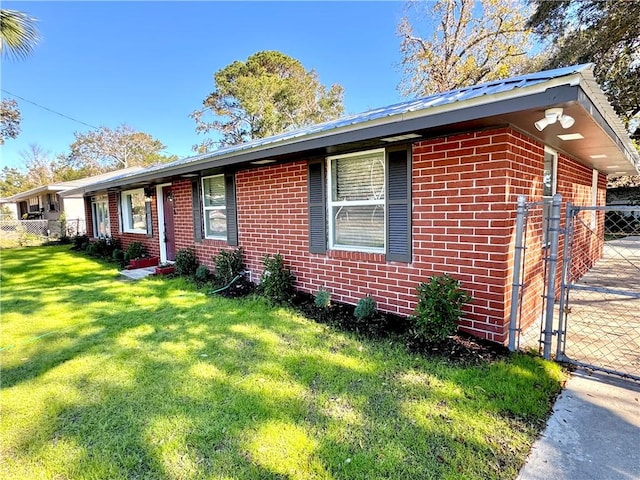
(160, 210)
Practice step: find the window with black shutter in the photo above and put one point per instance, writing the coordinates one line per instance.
(367, 198)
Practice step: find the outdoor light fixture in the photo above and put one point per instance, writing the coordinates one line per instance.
(553, 115)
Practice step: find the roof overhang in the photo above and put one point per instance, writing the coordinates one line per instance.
(18, 197)
(605, 145)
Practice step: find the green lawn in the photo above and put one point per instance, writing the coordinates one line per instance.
(103, 378)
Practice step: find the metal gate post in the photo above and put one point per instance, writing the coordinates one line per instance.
(517, 267)
(564, 282)
(554, 228)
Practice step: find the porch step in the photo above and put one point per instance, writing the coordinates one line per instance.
(138, 273)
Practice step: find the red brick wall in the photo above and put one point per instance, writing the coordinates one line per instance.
(574, 184)
(464, 196)
(88, 215)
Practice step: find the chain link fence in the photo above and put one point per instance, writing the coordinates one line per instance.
(20, 233)
(600, 302)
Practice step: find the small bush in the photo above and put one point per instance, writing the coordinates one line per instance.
(135, 250)
(203, 274)
(92, 249)
(186, 262)
(228, 265)
(118, 256)
(440, 302)
(277, 280)
(80, 242)
(65, 240)
(365, 309)
(322, 299)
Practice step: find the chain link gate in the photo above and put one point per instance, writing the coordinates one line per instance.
(599, 323)
(535, 268)
(578, 285)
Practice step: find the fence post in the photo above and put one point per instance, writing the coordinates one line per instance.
(517, 268)
(554, 229)
(565, 279)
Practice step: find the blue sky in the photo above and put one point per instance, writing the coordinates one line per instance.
(149, 64)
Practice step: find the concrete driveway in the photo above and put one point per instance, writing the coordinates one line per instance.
(593, 433)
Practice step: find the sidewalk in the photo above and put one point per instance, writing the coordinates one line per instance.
(594, 432)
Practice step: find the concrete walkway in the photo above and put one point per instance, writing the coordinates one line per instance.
(138, 273)
(594, 432)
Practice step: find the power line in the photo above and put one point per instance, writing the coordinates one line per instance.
(49, 109)
(67, 116)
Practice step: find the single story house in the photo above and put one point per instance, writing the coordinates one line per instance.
(48, 202)
(375, 203)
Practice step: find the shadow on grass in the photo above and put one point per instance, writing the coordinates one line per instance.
(170, 384)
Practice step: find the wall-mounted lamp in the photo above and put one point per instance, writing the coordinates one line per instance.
(551, 115)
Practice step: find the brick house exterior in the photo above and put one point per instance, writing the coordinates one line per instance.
(449, 203)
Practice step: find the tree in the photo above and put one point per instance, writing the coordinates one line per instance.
(107, 149)
(12, 181)
(470, 42)
(38, 165)
(18, 33)
(605, 32)
(18, 37)
(268, 94)
(9, 120)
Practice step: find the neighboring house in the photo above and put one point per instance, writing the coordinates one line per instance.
(8, 209)
(48, 202)
(375, 203)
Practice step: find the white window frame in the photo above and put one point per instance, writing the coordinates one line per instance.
(127, 214)
(594, 199)
(546, 208)
(355, 203)
(95, 201)
(206, 209)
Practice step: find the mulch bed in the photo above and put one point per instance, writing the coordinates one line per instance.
(462, 348)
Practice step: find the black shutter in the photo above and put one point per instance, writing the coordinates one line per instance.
(232, 210)
(197, 211)
(399, 205)
(317, 207)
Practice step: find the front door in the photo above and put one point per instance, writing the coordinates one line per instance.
(169, 231)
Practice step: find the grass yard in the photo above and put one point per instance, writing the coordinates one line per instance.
(104, 379)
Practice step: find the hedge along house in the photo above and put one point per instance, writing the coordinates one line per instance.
(375, 203)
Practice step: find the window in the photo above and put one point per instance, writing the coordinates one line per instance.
(100, 216)
(549, 185)
(34, 204)
(52, 202)
(594, 199)
(363, 204)
(356, 204)
(215, 208)
(134, 211)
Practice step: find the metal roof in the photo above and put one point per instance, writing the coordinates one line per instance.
(73, 185)
(430, 106)
(431, 101)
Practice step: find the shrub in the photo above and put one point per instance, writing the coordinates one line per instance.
(65, 240)
(228, 265)
(323, 299)
(92, 249)
(80, 242)
(118, 256)
(203, 274)
(365, 309)
(135, 250)
(277, 280)
(186, 262)
(440, 302)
